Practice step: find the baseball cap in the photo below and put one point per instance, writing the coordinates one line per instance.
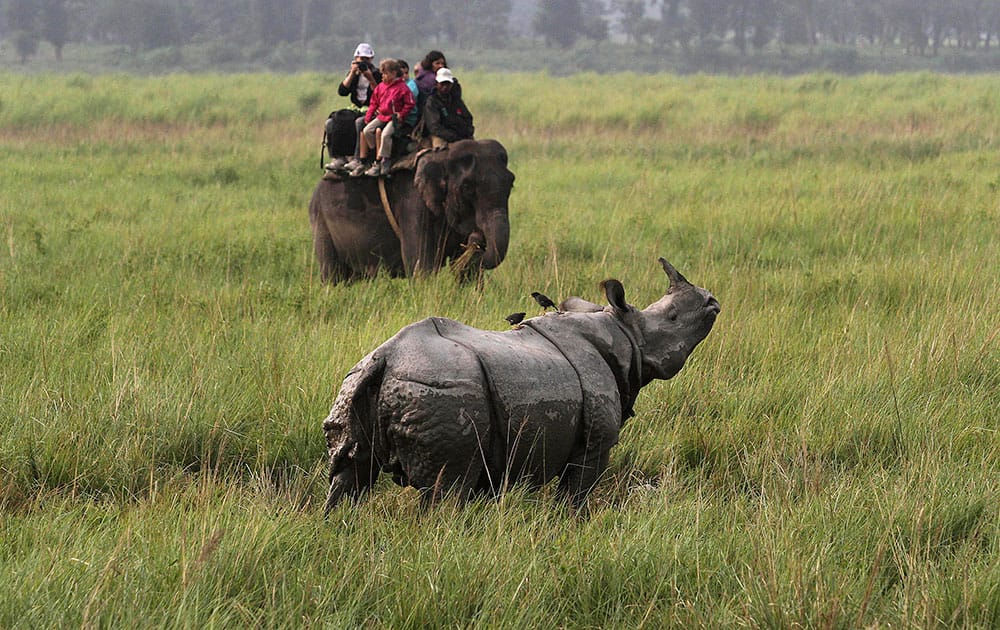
(364, 50)
(443, 75)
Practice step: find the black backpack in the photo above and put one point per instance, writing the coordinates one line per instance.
(339, 134)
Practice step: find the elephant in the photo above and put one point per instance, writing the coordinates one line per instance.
(452, 202)
(444, 407)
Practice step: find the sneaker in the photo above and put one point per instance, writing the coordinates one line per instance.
(375, 170)
(353, 164)
(357, 171)
(337, 164)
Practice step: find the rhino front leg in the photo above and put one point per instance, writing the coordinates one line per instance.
(582, 472)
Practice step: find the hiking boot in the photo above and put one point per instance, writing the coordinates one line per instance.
(337, 164)
(375, 170)
(353, 164)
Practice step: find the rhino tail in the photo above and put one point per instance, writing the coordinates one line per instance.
(349, 431)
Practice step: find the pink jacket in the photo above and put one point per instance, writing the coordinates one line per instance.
(389, 98)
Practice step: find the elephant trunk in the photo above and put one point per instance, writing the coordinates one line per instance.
(496, 231)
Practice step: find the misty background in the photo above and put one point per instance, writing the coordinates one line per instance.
(559, 36)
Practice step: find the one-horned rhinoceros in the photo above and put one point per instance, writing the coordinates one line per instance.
(446, 407)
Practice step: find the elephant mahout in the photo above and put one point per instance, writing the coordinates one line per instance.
(445, 407)
(451, 202)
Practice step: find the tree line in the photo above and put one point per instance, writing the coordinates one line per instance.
(923, 27)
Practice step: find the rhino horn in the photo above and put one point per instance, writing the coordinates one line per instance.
(676, 279)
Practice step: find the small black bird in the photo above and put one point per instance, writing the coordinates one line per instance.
(544, 301)
(515, 319)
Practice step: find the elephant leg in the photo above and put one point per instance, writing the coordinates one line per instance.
(331, 268)
(418, 260)
(582, 472)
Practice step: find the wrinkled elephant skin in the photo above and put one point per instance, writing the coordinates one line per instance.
(454, 199)
(444, 407)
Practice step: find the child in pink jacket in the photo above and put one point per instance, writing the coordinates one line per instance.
(391, 101)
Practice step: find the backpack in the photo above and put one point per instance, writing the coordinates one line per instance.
(339, 133)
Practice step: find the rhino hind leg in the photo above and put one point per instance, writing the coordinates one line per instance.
(453, 481)
(353, 468)
(438, 436)
(349, 477)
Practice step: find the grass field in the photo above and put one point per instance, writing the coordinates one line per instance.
(829, 457)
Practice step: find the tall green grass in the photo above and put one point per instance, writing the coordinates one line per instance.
(828, 458)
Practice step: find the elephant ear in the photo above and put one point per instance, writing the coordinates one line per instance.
(431, 180)
(461, 174)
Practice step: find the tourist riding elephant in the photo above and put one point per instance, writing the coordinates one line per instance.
(453, 200)
(442, 406)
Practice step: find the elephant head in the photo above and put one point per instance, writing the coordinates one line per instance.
(469, 185)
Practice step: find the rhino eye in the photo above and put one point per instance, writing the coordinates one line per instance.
(671, 313)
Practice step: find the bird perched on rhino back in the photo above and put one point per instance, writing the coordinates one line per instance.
(544, 301)
(444, 407)
(514, 319)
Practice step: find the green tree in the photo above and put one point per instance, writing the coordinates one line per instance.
(22, 20)
(55, 24)
(559, 22)
(478, 22)
(141, 24)
(632, 15)
(595, 24)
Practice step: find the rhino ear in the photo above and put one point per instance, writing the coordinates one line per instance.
(431, 181)
(676, 279)
(615, 293)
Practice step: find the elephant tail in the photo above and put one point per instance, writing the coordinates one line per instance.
(350, 429)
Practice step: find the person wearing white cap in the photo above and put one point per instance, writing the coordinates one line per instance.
(359, 84)
(362, 78)
(446, 118)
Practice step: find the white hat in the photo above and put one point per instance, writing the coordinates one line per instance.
(444, 74)
(364, 50)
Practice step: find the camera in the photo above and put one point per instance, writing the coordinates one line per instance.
(363, 66)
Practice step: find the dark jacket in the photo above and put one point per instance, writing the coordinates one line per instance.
(352, 89)
(447, 117)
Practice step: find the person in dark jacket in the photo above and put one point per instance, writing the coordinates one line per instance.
(446, 118)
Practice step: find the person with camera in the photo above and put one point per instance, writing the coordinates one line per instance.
(359, 84)
(362, 78)
(390, 103)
